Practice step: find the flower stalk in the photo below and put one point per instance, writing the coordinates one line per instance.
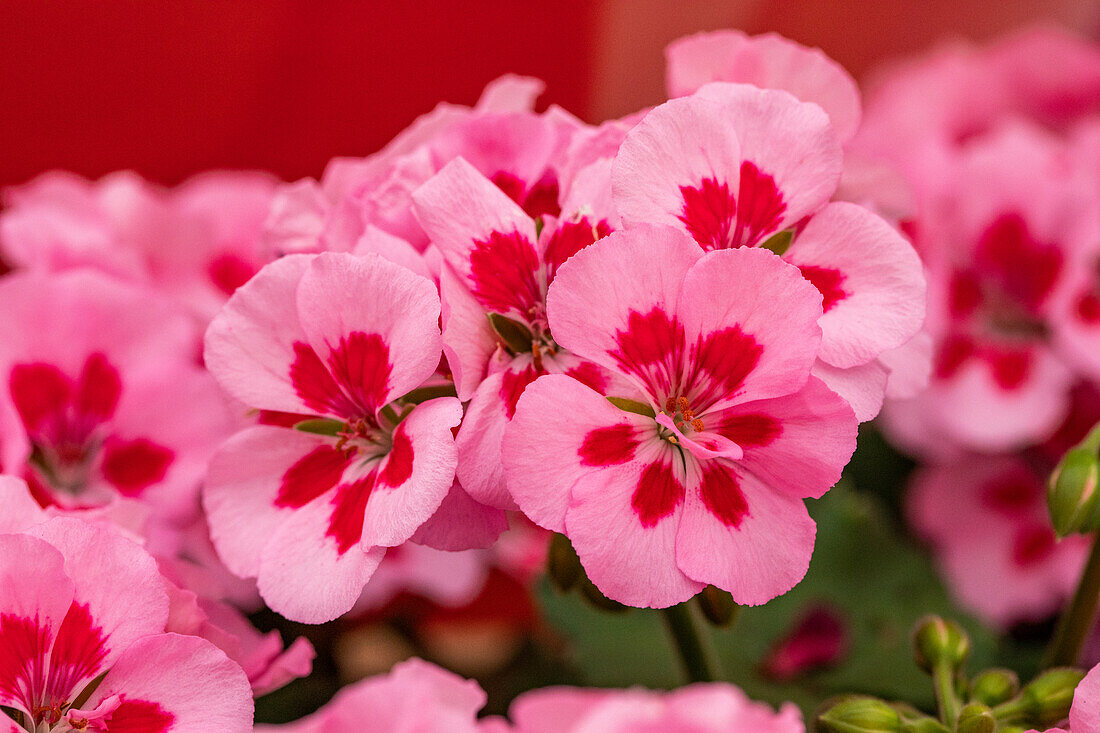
(687, 639)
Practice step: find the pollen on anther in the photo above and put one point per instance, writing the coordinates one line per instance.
(682, 403)
(697, 424)
(669, 405)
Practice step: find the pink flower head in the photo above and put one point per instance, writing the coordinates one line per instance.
(414, 696)
(737, 166)
(107, 401)
(498, 266)
(310, 513)
(81, 602)
(701, 479)
(715, 707)
(768, 61)
(1084, 714)
(986, 519)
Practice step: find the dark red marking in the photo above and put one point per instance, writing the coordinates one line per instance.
(360, 364)
(708, 213)
(589, 375)
(749, 431)
(1012, 494)
(569, 238)
(399, 465)
(657, 495)
(311, 475)
(140, 716)
(829, 282)
(721, 494)
(229, 271)
(39, 391)
(503, 273)
(98, 389)
(77, 654)
(132, 466)
(727, 356)
(651, 348)
(608, 446)
(1025, 268)
(512, 385)
(349, 511)
(23, 645)
(1032, 544)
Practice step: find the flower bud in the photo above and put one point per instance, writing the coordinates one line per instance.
(717, 606)
(859, 715)
(937, 640)
(1071, 493)
(994, 686)
(1047, 697)
(562, 563)
(976, 718)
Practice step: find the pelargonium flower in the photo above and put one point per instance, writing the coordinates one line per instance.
(414, 696)
(986, 520)
(700, 479)
(91, 367)
(768, 61)
(1084, 714)
(499, 263)
(737, 166)
(700, 708)
(341, 341)
(82, 646)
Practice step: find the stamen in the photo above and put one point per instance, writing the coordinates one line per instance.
(682, 403)
(669, 405)
(536, 355)
(697, 424)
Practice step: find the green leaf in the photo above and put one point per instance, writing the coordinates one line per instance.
(638, 408)
(779, 242)
(513, 335)
(320, 426)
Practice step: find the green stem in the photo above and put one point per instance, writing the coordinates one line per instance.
(688, 641)
(1076, 622)
(943, 680)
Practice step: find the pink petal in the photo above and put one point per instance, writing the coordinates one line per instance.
(756, 548)
(1085, 713)
(18, 510)
(478, 441)
(877, 301)
(461, 523)
(747, 347)
(768, 61)
(468, 338)
(390, 247)
(343, 295)
(863, 387)
(416, 475)
(178, 684)
(511, 93)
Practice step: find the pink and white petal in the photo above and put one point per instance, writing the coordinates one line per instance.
(863, 387)
(480, 467)
(1085, 713)
(342, 295)
(461, 523)
(37, 595)
(296, 219)
(768, 61)
(681, 143)
(468, 338)
(484, 235)
(18, 509)
(451, 579)
(119, 597)
(243, 486)
(791, 141)
(742, 536)
(909, 365)
(870, 278)
(391, 247)
(510, 93)
(250, 345)
(797, 444)
(544, 445)
(303, 573)
(623, 522)
(746, 347)
(415, 477)
(170, 683)
(558, 709)
(618, 288)
(589, 195)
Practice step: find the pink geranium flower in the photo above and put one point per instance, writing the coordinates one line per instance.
(82, 646)
(499, 263)
(1084, 715)
(702, 479)
(699, 708)
(986, 520)
(414, 696)
(310, 513)
(104, 401)
(734, 166)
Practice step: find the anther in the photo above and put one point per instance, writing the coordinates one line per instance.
(682, 403)
(536, 355)
(697, 424)
(669, 405)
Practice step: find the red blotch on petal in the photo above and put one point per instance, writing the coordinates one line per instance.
(361, 365)
(657, 495)
(399, 464)
(589, 375)
(569, 238)
(1013, 494)
(132, 466)
(651, 348)
(760, 206)
(77, 654)
(749, 431)
(512, 385)
(708, 212)
(503, 273)
(965, 294)
(23, 645)
(39, 391)
(1032, 545)
(315, 386)
(99, 388)
(228, 272)
(727, 357)
(1087, 308)
(349, 512)
(828, 282)
(1010, 368)
(722, 495)
(311, 475)
(537, 200)
(140, 716)
(608, 446)
(953, 353)
(1025, 268)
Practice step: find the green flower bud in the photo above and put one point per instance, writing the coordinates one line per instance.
(1072, 495)
(994, 686)
(717, 606)
(858, 715)
(562, 563)
(976, 718)
(937, 640)
(923, 725)
(1047, 697)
